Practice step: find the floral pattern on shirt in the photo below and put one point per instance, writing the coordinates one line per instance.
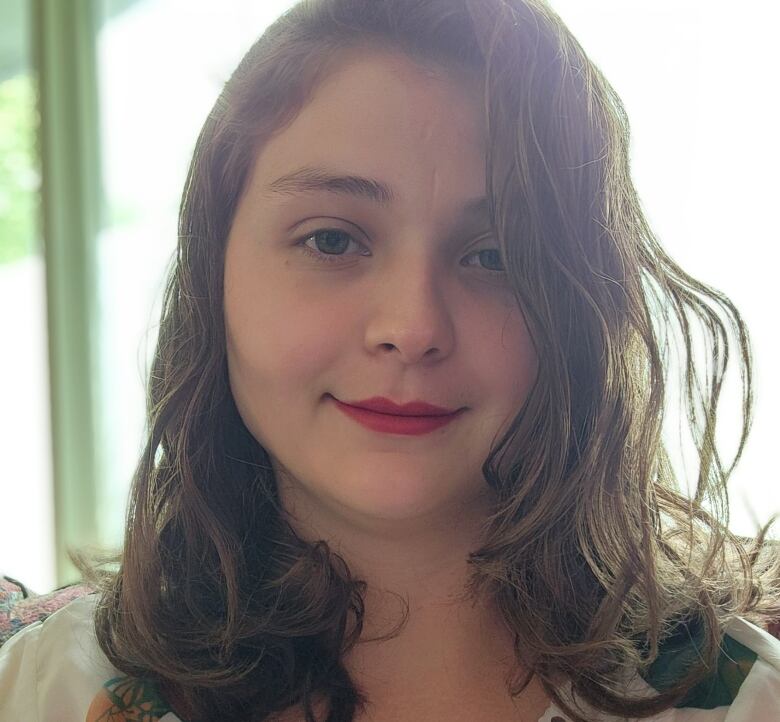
(125, 699)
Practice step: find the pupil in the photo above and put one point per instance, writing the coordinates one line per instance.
(331, 238)
(495, 258)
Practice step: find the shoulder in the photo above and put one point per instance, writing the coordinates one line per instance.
(19, 607)
(743, 687)
(53, 668)
(123, 699)
(757, 697)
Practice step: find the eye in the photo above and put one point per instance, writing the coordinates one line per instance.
(491, 256)
(331, 240)
(330, 245)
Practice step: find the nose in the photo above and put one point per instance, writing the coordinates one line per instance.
(411, 313)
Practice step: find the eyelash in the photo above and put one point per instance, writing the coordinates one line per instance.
(335, 258)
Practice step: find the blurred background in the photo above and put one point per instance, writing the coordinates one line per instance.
(101, 102)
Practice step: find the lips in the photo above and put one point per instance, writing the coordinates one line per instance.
(398, 424)
(382, 405)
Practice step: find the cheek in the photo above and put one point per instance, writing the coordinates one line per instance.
(515, 357)
(271, 359)
(276, 341)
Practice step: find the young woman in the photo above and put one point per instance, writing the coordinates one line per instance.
(404, 458)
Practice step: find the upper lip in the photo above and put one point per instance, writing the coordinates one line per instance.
(382, 405)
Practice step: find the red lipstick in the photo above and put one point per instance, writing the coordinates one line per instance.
(414, 408)
(383, 415)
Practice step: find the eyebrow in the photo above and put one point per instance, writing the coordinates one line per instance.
(308, 179)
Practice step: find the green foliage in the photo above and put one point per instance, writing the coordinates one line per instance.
(19, 171)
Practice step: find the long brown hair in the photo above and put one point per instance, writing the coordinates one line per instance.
(594, 553)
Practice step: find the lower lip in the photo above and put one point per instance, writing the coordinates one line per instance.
(388, 424)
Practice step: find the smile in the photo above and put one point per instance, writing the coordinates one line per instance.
(391, 424)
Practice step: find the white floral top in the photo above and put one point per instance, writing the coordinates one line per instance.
(54, 671)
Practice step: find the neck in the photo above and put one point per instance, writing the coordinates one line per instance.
(423, 562)
(453, 653)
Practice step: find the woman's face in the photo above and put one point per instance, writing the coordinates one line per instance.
(402, 305)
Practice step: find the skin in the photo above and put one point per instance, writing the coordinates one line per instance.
(409, 310)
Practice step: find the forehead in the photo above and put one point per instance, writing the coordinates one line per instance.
(378, 65)
(381, 110)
